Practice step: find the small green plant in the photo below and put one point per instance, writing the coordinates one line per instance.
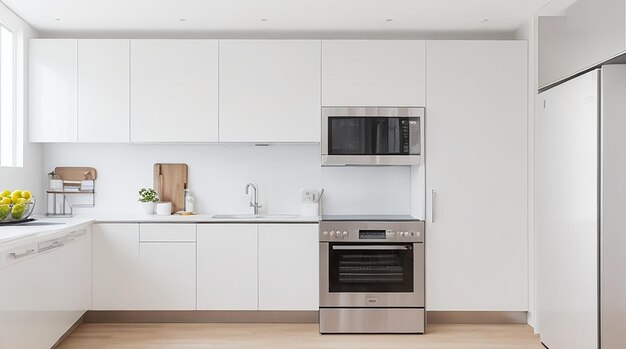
(148, 195)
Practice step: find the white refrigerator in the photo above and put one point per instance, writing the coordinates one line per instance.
(580, 211)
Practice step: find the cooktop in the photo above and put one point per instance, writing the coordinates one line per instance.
(377, 218)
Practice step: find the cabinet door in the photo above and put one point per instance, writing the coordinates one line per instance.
(373, 73)
(116, 267)
(53, 90)
(476, 133)
(167, 275)
(227, 267)
(288, 267)
(104, 88)
(173, 90)
(270, 91)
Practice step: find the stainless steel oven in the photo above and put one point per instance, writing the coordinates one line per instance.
(372, 136)
(371, 276)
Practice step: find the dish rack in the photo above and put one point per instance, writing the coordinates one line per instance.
(70, 181)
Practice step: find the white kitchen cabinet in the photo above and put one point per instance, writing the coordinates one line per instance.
(116, 267)
(167, 275)
(103, 90)
(174, 94)
(373, 73)
(53, 90)
(44, 294)
(288, 267)
(476, 134)
(227, 267)
(269, 91)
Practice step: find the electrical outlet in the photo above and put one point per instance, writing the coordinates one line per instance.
(309, 195)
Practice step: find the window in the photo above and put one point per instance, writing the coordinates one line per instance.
(10, 126)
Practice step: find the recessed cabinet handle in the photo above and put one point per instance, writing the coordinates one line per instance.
(16, 255)
(433, 195)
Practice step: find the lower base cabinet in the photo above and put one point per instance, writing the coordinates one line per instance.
(144, 267)
(271, 267)
(288, 267)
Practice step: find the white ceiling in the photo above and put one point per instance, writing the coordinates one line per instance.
(408, 16)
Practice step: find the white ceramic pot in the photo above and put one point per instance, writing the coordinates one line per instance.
(163, 208)
(147, 208)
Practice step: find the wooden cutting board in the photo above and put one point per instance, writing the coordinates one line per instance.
(170, 182)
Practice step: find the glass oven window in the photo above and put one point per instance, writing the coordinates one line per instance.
(370, 267)
(369, 136)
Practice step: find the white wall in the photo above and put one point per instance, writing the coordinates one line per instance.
(27, 177)
(218, 174)
(528, 32)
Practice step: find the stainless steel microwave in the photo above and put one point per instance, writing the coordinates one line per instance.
(372, 136)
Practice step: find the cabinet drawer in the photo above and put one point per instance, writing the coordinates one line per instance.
(167, 232)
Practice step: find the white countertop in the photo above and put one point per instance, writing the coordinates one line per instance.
(39, 228)
(46, 226)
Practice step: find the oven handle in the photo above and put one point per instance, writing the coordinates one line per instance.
(372, 247)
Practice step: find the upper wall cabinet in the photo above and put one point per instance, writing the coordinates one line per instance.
(269, 91)
(53, 90)
(586, 34)
(104, 87)
(174, 91)
(373, 73)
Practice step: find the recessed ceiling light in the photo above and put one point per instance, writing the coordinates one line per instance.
(388, 19)
(183, 19)
(57, 19)
(264, 19)
(484, 20)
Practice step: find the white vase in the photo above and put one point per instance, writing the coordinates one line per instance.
(147, 208)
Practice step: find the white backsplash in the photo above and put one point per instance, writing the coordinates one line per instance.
(218, 174)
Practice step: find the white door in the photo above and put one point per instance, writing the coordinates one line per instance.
(270, 91)
(173, 90)
(566, 214)
(53, 90)
(167, 273)
(116, 267)
(476, 170)
(227, 267)
(288, 267)
(104, 90)
(373, 73)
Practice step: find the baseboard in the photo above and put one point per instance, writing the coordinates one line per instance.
(476, 317)
(70, 331)
(99, 316)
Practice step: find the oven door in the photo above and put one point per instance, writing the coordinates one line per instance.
(371, 274)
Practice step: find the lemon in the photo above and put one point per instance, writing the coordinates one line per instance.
(4, 212)
(18, 211)
(5, 201)
(21, 201)
(16, 194)
(5, 194)
(26, 194)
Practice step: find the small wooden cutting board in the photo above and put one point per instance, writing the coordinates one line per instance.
(170, 182)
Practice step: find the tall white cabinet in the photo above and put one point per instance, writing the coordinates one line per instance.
(269, 91)
(53, 90)
(173, 91)
(104, 90)
(476, 144)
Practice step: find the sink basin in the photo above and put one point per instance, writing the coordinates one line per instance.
(255, 216)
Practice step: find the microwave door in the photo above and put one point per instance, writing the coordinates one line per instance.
(348, 136)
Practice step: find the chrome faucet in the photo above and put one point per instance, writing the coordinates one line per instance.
(253, 198)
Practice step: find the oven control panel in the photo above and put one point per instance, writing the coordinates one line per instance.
(372, 231)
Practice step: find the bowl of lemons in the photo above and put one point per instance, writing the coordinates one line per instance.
(16, 206)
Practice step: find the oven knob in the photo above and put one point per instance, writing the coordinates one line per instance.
(325, 233)
(332, 233)
(412, 233)
(345, 234)
(339, 235)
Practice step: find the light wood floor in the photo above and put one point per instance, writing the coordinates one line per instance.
(279, 336)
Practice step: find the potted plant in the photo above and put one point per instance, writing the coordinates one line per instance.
(147, 198)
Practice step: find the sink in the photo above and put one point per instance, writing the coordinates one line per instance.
(255, 216)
